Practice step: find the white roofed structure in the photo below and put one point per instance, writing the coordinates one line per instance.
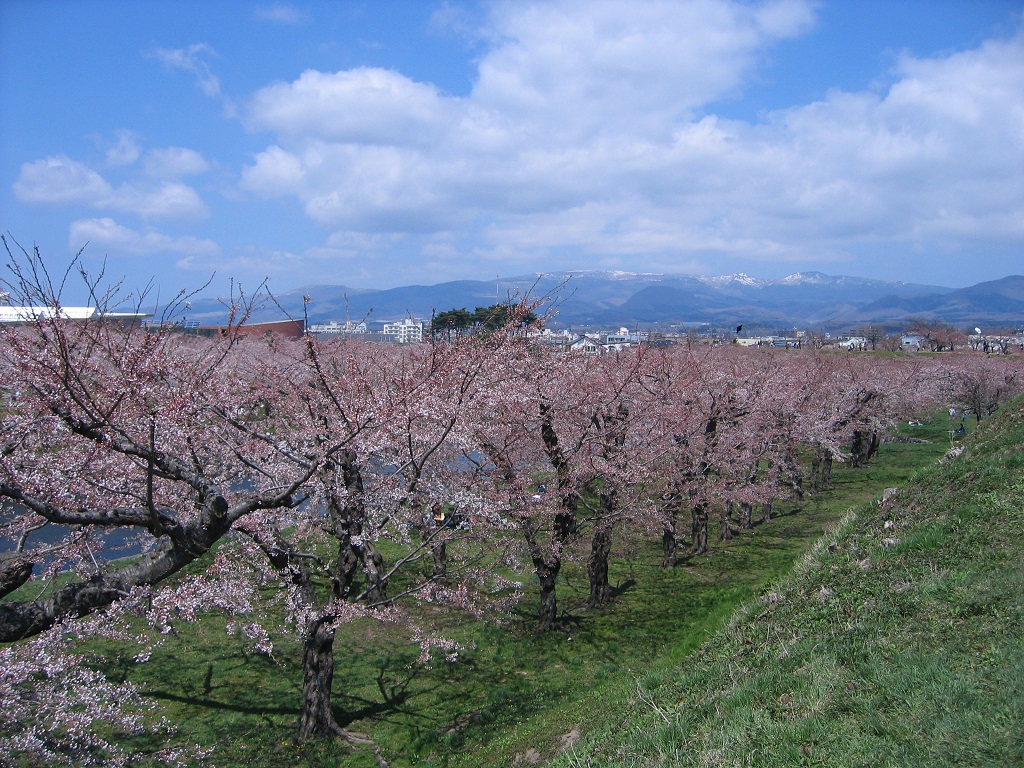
(9, 314)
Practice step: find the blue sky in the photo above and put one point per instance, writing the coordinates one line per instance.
(378, 144)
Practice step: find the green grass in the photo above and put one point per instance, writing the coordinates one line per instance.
(636, 684)
(887, 646)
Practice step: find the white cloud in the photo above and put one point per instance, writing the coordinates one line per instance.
(275, 172)
(567, 95)
(126, 151)
(257, 262)
(281, 14)
(945, 142)
(105, 233)
(585, 133)
(174, 162)
(361, 106)
(59, 180)
(193, 61)
(574, 69)
(167, 200)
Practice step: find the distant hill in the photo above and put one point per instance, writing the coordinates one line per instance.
(605, 299)
(995, 301)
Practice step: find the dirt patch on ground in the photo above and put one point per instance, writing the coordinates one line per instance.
(529, 757)
(570, 738)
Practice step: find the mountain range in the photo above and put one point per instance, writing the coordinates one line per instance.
(592, 299)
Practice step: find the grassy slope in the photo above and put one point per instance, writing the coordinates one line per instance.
(887, 646)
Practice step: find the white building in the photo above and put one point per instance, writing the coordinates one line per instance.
(9, 314)
(407, 331)
(334, 328)
(587, 346)
(625, 338)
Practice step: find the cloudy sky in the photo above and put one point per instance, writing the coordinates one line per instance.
(396, 142)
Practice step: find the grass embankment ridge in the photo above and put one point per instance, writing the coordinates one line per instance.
(897, 641)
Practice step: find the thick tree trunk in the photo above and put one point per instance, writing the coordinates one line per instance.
(345, 569)
(821, 469)
(15, 570)
(826, 470)
(699, 529)
(317, 680)
(600, 550)
(373, 567)
(858, 448)
(746, 515)
(669, 542)
(766, 511)
(350, 557)
(597, 567)
(349, 518)
(726, 522)
(439, 551)
(548, 564)
(317, 718)
(873, 445)
(547, 576)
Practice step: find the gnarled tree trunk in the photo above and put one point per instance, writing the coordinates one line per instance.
(15, 570)
(547, 576)
(746, 515)
(600, 551)
(317, 681)
(669, 542)
(699, 528)
(858, 448)
(349, 518)
(727, 533)
(548, 564)
(434, 523)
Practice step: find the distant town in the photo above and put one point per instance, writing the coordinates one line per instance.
(919, 335)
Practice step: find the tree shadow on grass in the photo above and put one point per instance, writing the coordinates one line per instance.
(399, 683)
(395, 679)
(622, 588)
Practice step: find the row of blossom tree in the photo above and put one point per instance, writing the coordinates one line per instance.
(266, 461)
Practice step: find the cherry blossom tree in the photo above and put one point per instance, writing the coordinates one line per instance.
(523, 462)
(267, 461)
(115, 442)
(57, 711)
(112, 430)
(733, 421)
(712, 431)
(403, 416)
(981, 383)
(615, 455)
(122, 439)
